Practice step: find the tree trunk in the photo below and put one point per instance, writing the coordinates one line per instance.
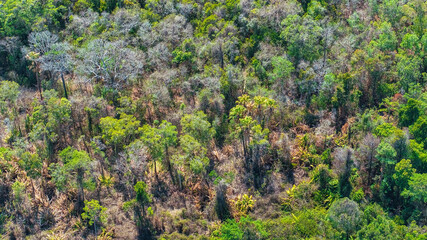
(169, 165)
(155, 170)
(80, 196)
(63, 84)
(39, 85)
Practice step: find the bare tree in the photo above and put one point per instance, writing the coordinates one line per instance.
(174, 29)
(342, 165)
(131, 166)
(39, 44)
(159, 56)
(57, 61)
(110, 62)
(273, 14)
(366, 157)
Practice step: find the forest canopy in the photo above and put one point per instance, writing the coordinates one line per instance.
(213, 119)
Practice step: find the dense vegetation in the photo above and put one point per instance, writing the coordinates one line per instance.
(213, 119)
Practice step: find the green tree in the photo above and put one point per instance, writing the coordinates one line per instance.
(418, 156)
(391, 10)
(403, 173)
(119, 132)
(193, 159)
(19, 196)
(9, 92)
(381, 228)
(197, 126)
(345, 216)
(410, 42)
(345, 98)
(344, 164)
(143, 198)
(185, 54)
(248, 121)
(18, 18)
(158, 141)
(386, 154)
(140, 205)
(417, 192)
(32, 164)
(419, 130)
(409, 112)
(387, 39)
(73, 170)
(282, 69)
(168, 135)
(409, 71)
(95, 214)
(49, 121)
(222, 207)
(302, 36)
(326, 181)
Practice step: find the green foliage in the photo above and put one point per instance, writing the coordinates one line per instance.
(106, 181)
(142, 196)
(403, 173)
(18, 191)
(306, 224)
(9, 92)
(345, 216)
(197, 126)
(357, 195)
(410, 42)
(409, 71)
(49, 120)
(385, 130)
(158, 140)
(387, 39)
(417, 189)
(418, 156)
(152, 139)
(184, 53)
(386, 153)
(245, 228)
(419, 130)
(32, 164)
(409, 112)
(302, 34)
(244, 203)
(193, 159)
(381, 228)
(94, 213)
(119, 132)
(328, 97)
(249, 117)
(316, 10)
(19, 18)
(74, 166)
(327, 183)
(282, 69)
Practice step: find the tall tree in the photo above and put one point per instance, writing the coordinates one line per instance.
(74, 168)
